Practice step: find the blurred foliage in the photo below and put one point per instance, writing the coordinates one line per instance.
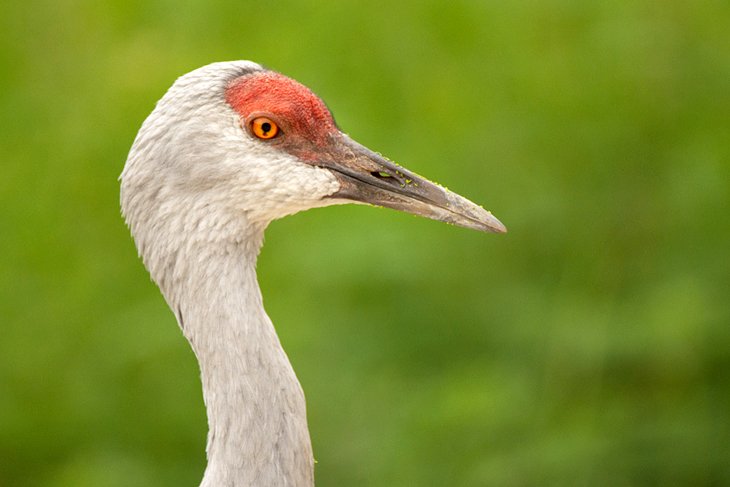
(589, 346)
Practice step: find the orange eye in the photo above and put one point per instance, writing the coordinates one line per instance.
(264, 128)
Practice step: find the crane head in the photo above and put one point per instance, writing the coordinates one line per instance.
(238, 138)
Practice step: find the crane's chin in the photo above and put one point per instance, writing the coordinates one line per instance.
(367, 177)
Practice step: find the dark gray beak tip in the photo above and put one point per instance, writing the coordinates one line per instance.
(494, 225)
(464, 213)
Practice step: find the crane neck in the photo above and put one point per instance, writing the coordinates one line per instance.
(255, 405)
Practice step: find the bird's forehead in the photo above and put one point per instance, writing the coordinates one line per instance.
(272, 92)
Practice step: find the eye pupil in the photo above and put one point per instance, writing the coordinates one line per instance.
(266, 127)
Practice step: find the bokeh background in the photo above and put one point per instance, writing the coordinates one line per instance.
(589, 346)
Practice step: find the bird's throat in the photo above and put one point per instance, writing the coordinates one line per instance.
(256, 411)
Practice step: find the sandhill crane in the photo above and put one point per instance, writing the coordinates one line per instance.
(229, 148)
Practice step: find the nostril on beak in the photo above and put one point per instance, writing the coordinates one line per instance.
(398, 178)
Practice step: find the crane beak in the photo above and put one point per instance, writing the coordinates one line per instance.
(368, 177)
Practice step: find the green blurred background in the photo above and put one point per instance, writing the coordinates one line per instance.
(589, 346)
